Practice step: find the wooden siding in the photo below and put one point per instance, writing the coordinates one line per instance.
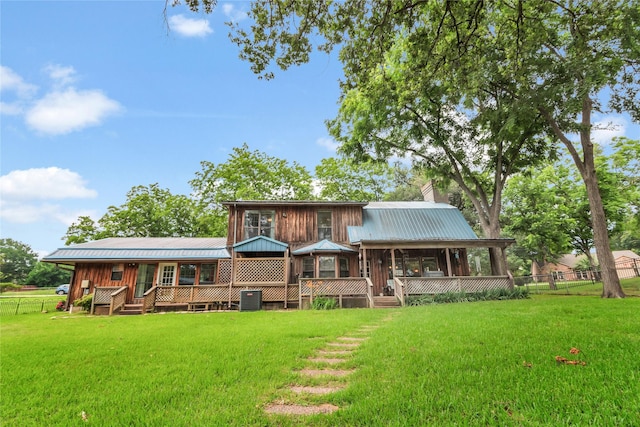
(297, 225)
(100, 275)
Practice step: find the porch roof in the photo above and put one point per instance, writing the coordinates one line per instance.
(260, 244)
(142, 248)
(410, 221)
(323, 246)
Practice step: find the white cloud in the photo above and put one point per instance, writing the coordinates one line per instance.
(44, 184)
(188, 27)
(10, 81)
(235, 15)
(328, 143)
(606, 129)
(62, 76)
(70, 110)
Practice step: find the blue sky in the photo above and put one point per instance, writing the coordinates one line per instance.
(98, 97)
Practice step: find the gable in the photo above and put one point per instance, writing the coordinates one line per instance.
(260, 244)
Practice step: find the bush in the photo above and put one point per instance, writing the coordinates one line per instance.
(486, 295)
(7, 286)
(84, 302)
(324, 303)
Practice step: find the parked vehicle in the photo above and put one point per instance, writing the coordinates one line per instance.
(62, 290)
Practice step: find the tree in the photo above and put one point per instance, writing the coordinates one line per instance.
(250, 175)
(342, 179)
(149, 211)
(551, 59)
(17, 260)
(47, 275)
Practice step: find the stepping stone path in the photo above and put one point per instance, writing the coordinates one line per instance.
(333, 354)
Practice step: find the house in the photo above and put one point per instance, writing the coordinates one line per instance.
(567, 266)
(363, 254)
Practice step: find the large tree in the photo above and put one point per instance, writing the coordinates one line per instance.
(149, 211)
(339, 178)
(557, 59)
(16, 260)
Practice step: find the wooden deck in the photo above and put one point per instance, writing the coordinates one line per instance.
(301, 294)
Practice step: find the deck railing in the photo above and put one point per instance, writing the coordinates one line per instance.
(345, 286)
(118, 299)
(439, 285)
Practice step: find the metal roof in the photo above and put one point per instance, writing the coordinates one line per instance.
(143, 248)
(410, 221)
(260, 244)
(325, 246)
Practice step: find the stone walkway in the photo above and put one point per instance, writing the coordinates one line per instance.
(327, 369)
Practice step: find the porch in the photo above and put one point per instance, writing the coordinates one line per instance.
(349, 292)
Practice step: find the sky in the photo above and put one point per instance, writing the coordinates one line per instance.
(97, 97)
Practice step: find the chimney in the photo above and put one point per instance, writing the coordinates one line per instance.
(430, 194)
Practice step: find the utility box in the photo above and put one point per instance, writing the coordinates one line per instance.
(250, 300)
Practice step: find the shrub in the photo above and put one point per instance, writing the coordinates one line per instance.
(7, 286)
(486, 295)
(84, 302)
(324, 303)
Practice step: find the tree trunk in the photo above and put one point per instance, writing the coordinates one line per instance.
(610, 282)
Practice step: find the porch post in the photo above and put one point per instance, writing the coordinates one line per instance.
(393, 263)
(364, 263)
(448, 254)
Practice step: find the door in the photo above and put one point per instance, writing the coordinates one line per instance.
(166, 277)
(144, 280)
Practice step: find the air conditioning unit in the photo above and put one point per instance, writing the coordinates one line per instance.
(250, 300)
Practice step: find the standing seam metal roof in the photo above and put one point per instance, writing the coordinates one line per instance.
(413, 221)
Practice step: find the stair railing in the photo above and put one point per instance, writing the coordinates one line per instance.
(399, 290)
(118, 299)
(370, 292)
(149, 299)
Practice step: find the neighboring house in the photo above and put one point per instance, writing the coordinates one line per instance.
(290, 251)
(565, 268)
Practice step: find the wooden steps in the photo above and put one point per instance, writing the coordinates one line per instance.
(130, 309)
(385, 302)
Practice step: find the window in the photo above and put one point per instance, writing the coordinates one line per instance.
(116, 271)
(308, 267)
(327, 266)
(146, 272)
(259, 223)
(344, 267)
(207, 274)
(324, 225)
(187, 274)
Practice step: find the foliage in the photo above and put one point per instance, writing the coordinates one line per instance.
(453, 297)
(149, 211)
(84, 302)
(8, 286)
(16, 260)
(341, 179)
(513, 68)
(322, 302)
(47, 275)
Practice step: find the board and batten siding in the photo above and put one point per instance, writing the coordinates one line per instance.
(100, 275)
(297, 225)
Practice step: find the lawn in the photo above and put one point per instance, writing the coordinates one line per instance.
(484, 363)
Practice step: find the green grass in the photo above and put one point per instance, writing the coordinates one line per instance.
(484, 363)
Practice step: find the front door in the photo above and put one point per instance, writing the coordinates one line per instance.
(167, 274)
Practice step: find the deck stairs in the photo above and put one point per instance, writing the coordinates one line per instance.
(385, 302)
(129, 309)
